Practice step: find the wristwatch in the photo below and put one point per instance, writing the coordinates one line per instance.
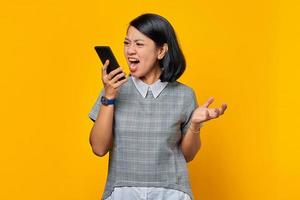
(105, 101)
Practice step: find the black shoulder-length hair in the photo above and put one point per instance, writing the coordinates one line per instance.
(161, 31)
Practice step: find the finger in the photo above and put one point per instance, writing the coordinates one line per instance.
(223, 108)
(208, 102)
(119, 83)
(114, 72)
(117, 77)
(104, 67)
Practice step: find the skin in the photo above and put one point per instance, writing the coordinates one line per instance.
(139, 46)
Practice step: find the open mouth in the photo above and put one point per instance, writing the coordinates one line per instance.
(133, 63)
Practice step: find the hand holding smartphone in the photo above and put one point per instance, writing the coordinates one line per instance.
(105, 53)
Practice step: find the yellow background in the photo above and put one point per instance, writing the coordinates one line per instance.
(243, 53)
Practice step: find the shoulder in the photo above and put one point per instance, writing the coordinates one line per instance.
(183, 93)
(127, 85)
(181, 88)
(126, 89)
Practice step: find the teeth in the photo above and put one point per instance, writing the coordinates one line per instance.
(133, 59)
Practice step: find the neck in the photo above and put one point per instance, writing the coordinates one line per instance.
(152, 76)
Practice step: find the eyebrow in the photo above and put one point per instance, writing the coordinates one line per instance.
(134, 40)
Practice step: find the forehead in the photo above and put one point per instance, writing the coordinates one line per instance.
(134, 34)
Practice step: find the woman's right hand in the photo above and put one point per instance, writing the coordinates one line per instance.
(111, 82)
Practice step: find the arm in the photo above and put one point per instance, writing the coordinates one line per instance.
(101, 135)
(191, 143)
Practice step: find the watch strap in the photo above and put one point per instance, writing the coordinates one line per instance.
(106, 101)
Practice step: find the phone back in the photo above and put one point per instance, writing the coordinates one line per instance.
(105, 53)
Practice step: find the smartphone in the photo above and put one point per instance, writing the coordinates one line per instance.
(105, 53)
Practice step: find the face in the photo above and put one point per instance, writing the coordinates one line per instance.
(142, 55)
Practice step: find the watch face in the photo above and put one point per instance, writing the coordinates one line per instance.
(104, 100)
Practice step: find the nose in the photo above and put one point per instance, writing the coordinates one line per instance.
(130, 49)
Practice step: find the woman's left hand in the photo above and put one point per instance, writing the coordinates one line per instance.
(203, 113)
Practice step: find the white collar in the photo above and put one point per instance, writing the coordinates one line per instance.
(156, 87)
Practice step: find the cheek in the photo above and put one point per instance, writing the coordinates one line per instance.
(148, 58)
(147, 63)
(125, 51)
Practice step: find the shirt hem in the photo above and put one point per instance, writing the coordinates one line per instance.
(147, 184)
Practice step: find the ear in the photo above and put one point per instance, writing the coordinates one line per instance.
(162, 51)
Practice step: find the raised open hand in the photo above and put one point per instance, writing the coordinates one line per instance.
(203, 113)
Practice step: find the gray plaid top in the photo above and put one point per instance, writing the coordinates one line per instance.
(147, 133)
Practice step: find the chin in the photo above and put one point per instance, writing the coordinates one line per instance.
(136, 75)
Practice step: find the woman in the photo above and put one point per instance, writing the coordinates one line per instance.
(149, 122)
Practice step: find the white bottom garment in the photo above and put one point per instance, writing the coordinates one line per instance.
(147, 193)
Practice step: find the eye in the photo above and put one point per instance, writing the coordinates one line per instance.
(139, 44)
(126, 43)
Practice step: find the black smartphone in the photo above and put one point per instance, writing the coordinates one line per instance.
(105, 53)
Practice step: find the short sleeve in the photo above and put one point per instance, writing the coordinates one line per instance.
(191, 105)
(95, 109)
